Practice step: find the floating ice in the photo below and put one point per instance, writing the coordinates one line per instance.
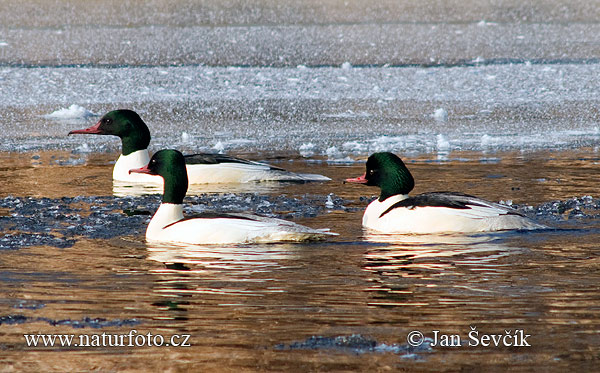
(486, 140)
(334, 155)
(441, 115)
(283, 108)
(357, 343)
(329, 203)
(346, 65)
(484, 23)
(443, 145)
(73, 112)
(83, 148)
(59, 222)
(219, 146)
(307, 149)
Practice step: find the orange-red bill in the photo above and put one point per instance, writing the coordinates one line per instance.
(94, 130)
(141, 170)
(361, 179)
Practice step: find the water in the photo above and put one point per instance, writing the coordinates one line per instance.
(260, 306)
(499, 101)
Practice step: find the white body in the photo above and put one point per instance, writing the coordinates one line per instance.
(207, 173)
(243, 173)
(429, 219)
(167, 226)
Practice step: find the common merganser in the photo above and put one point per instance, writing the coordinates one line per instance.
(204, 168)
(437, 212)
(169, 225)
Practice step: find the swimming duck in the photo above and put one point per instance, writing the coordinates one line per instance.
(169, 225)
(437, 212)
(202, 168)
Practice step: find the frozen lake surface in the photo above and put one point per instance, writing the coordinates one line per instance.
(334, 112)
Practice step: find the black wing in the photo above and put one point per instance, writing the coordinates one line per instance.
(451, 200)
(215, 215)
(210, 158)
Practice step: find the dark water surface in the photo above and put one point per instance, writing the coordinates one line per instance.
(280, 307)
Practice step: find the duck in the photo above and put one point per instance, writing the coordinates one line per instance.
(395, 212)
(202, 168)
(168, 225)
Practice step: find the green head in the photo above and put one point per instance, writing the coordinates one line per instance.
(170, 165)
(388, 172)
(127, 125)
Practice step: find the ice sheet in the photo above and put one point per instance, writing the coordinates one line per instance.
(356, 110)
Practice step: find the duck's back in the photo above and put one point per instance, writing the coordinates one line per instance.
(442, 212)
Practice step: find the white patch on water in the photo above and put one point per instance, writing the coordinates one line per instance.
(441, 115)
(443, 145)
(73, 112)
(223, 145)
(329, 203)
(484, 23)
(486, 140)
(349, 114)
(219, 146)
(307, 149)
(334, 155)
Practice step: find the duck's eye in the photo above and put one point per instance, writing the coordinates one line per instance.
(107, 121)
(371, 172)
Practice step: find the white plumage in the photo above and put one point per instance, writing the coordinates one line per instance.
(480, 216)
(438, 212)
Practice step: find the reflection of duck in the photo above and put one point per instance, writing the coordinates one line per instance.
(242, 259)
(405, 248)
(202, 168)
(392, 271)
(124, 188)
(169, 225)
(396, 212)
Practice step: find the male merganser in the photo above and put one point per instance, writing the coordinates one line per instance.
(202, 168)
(169, 225)
(437, 212)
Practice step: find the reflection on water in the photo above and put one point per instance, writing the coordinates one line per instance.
(429, 257)
(235, 265)
(123, 189)
(424, 251)
(238, 302)
(246, 258)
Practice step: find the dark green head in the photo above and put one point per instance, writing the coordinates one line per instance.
(170, 165)
(126, 124)
(388, 172)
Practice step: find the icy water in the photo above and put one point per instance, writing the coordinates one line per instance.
(75, 263)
